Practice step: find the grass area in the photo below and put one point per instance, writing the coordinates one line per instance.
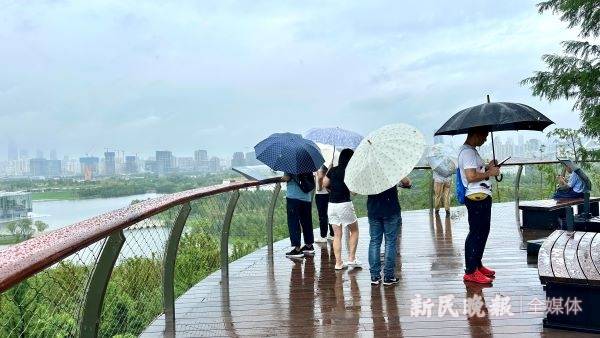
(8, 239)
(54, 195)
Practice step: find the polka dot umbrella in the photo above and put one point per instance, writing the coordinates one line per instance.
(383, 158)
(290, 153)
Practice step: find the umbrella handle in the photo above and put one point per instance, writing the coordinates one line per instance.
(499, 178)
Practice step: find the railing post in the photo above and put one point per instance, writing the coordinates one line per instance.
(225, 235)
(270, 216)
(517, 196)
(517, 201)
(169, 267)
(96, 288)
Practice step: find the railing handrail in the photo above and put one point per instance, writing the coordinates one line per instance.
(27, 258)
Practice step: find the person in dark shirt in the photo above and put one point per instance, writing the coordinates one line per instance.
(340, 211)
(383, 211)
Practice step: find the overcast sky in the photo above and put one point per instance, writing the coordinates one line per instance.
(82, 76)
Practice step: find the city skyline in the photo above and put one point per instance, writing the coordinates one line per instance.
(117, 162)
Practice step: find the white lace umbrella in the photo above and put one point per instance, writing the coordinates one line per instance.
(329, 153)
(383, 158)
(442, 159)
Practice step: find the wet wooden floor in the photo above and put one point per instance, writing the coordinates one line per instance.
(305, 298)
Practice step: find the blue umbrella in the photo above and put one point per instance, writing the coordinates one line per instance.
(289, 153)
(338, 137)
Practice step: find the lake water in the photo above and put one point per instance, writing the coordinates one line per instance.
(58, 214)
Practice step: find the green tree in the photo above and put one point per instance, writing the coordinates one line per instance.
(575, 74)
(572, 137)
(24, 228)
(12, 227)
(40, 226)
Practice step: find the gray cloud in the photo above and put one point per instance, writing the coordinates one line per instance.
(182, 75)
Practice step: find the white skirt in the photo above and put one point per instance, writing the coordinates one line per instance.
(341, 213)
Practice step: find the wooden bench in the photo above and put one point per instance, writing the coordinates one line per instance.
(548, 214)
(568, 266)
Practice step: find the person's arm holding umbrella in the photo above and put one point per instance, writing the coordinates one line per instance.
(474, 176)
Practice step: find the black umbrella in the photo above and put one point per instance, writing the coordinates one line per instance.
(495, 116)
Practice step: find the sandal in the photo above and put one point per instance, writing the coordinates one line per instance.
(344, 266)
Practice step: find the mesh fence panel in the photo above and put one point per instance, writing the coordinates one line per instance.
(49, 303)
(198, 254)
(248, 230)
(134, 293)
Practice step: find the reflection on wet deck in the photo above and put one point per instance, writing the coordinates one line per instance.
(281, 297)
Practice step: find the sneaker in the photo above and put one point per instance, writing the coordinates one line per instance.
(308, 250)
(391, 281)
(295, 253)
(355, 263)
(329, 238)
(321, 240)
(477, 277)
(376, 280)
(487, 272)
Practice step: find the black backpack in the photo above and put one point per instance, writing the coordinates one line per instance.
(306, 182)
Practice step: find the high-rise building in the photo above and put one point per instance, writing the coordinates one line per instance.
(109, 163)
(186, 163)
(251, 158)
(201, 160)
(54, 168)
(150, 166)
(89, 167)
(131, 165)
(38, 167)
(70, 166)
(214, 165)
(53, 154)
(39, 153)
(164, 161)
(238, 159)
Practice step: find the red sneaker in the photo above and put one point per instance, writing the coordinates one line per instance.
(477, 277)
(487, 272)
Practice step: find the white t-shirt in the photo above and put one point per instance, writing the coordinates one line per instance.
(468, 158)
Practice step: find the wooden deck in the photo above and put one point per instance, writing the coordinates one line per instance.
(283, 297)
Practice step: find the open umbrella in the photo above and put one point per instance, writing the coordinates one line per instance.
(442, 159)
(383, 158)
(495, 116)
(337, 137)
(330, 153)
(289, 153)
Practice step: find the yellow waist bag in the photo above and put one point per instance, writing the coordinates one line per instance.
(478, 196)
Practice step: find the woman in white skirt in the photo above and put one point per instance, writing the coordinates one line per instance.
(340, 211)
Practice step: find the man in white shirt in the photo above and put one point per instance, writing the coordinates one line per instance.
(475, 176)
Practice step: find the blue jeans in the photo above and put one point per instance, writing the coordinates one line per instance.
(378, 227)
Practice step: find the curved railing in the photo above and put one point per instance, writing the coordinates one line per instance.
(115, 273)
(59, 283)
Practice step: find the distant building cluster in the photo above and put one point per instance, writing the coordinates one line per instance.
(19, 163)
(532, 149)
